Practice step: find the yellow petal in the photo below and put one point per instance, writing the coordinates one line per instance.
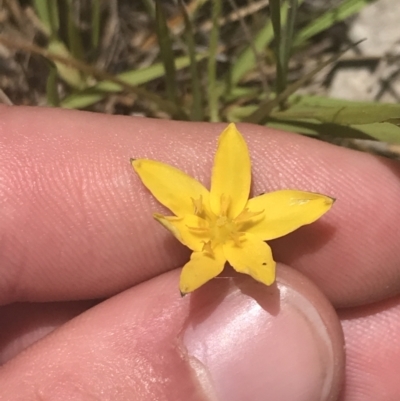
(201, 268)
(172, 187)
(253, 257)
(285, 211)
(191, 230)
(231, 174)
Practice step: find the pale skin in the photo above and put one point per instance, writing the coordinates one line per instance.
(77, 230)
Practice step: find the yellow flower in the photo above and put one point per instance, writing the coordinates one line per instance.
(223, 224)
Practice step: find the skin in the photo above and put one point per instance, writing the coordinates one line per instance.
(89, 280)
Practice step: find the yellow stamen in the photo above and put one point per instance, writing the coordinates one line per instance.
(235, 236)
(198, 229)
(246, 215)
(198, 205)
(207, 248)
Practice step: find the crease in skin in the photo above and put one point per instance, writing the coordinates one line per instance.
(199, 372)
(202, 375)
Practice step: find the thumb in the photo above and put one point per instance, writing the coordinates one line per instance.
(232, 340)
(281, 343)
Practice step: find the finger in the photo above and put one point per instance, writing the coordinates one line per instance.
(77, 222)
(22, 324)
(372, 352)
(226, 342)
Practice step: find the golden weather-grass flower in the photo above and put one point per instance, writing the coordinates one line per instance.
(223, 225)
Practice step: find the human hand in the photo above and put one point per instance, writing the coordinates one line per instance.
(78, 239)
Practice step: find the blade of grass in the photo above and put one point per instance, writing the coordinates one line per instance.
(213, 90)
(383, 132)
(346, 9)
(135, 77)
(162, 104)
(71, 75)
(247, 60)
(141, 76)
(265, 107)
(197, 113)
(258, 57)
(47, 12)
(167, 54)
(283, 35)
(75, 45)
(51, 88)
(287, 42)
(96, 19)
(344, 113)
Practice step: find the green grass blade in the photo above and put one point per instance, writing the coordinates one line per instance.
(265, 107)
(83, 99)
(213, 89)
(287, 42)
(383, 132)
(141, 76)
(75, 45)
(342, 113)
(247, 59)
(197, 113)
(164, 105)
(68, 73)
(47, 12)
(345, 10)
(166, 52)
(96, 20)
(51, 88)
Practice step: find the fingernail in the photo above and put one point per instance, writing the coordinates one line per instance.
(261, 343)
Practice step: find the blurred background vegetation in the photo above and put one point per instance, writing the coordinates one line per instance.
(265, 62)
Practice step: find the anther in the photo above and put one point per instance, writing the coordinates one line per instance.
(198, 205)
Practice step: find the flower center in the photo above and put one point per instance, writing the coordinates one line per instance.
(221, 228)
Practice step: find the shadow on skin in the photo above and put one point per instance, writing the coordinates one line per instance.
(205, 300)
(304, 241)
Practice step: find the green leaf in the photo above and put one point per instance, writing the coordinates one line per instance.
(51, 87)
(141, 76)
(247, 60)
(266, 107)
(340, 112)
(197, 113)
(69, 74)
(75, 45)
(344, 10)
(383, 132)
(96, 20)
(287, 40)
(47, 12)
